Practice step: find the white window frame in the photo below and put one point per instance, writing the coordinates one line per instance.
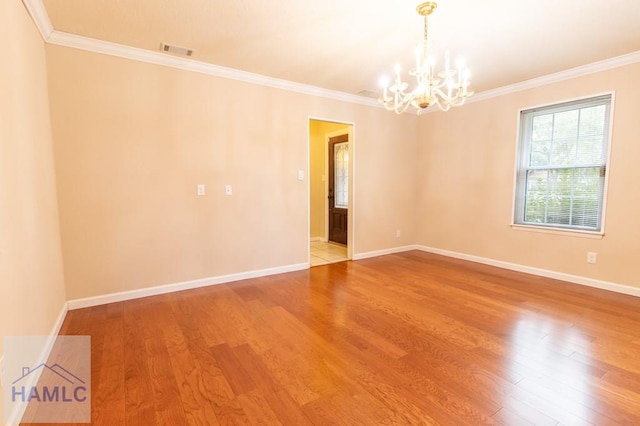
(521, 165)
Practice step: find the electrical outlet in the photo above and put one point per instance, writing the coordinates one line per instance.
(397, 233)
(228, 190)
(592, 257)
(200, 190)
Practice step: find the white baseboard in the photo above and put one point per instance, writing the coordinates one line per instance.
(576, 279)
(58, 324)
(384, 252)
(187, 285)
(317, 240)
(15, 416)
(169, 288)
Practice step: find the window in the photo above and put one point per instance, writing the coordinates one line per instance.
(562, 162)
(341, 174)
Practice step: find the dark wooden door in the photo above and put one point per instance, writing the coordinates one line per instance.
(338, 188)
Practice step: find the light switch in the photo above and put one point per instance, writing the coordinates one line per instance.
(200, 189)
(300, 174)
(228, 190)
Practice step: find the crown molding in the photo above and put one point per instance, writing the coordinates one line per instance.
(41, 18)
(158, 58)
(595, 67)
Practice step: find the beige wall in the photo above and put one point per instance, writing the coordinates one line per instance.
(466, 175)
(318, 131)
(32, 291)
(132, 140)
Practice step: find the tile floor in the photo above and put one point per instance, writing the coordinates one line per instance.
(323, 253)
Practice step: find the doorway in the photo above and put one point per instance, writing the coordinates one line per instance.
(331, 194)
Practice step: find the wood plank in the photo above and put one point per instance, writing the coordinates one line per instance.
(409, 338)
(138, 406)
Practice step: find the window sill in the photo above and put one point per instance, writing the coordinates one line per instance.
(567, 232)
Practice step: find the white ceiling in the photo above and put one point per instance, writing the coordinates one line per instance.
(347, 45)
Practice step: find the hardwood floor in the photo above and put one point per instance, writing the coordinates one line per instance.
(412, 338)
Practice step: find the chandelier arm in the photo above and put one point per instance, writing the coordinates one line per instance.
(443, 95)
(456, 100)
(399, 104)
(406, 101)
(445, 108)
(401, 107)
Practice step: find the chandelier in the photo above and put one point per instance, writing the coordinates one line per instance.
(446, 89)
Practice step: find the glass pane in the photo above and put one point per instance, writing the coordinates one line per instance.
(565, 138)
(341, 174)
(536, 197)
(590, 148)
(541, 135)
(567, 197)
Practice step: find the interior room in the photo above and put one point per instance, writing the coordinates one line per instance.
(257, 221)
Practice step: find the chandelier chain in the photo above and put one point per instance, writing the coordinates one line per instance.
(426, 27)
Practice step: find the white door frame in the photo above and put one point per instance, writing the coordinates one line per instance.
(352, 162)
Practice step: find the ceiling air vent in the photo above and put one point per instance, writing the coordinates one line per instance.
(176, 50)
(367, 93)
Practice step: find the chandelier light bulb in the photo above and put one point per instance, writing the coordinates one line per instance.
(460, 64)
(384, 82)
